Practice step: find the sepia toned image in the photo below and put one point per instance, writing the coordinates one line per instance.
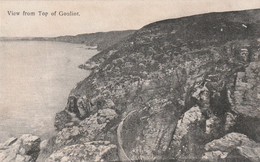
(129, 80)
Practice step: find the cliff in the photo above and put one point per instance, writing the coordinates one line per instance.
(178, 89)
(184, 88)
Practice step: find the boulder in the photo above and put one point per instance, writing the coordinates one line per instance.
(89, 151)
(230, 120)
(247, 91)
(214, 156)
(84, 107)
(23, 149)
(229, 142)
(190, 117)
(185, 142)
(61, 119)
(88, 128)
(246, 152)
(212, 125)
(232, 146)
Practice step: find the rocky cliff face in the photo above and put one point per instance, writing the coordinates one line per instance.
(183, 89)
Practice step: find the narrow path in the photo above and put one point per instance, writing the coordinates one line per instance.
(121, 152)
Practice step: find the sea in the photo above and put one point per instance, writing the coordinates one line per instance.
(36, 78)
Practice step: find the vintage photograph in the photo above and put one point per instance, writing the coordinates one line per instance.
(129, 80)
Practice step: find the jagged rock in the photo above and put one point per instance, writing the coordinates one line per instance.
(230, 143)
(84, 107)
(214, 156)
(246, 152)
(68, 134)
(230, 121)
(185, 143)
(61, 119)
(102, 103)
(212, 125)
(202, 95)
(89, 65)
(247, 92)
(72, 114)
(98, 122)
(43, 144)
(246, 100)
(8, 142)
(23, 149)
(72, 106)
(109, 104)
(88, 129)
(106, 115)
(89, 151)
(190, 117)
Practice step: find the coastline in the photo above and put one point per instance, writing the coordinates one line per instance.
(58, 72)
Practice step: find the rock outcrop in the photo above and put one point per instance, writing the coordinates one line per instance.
(232, 146)
(97, 127)
(88, 129)
(23, 149)
(89, 151)
(247, 91)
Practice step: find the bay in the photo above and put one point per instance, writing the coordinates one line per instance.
(36, 78)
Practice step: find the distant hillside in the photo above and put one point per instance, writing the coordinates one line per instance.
(101, 40)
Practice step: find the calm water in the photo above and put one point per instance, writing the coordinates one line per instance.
(35, 80)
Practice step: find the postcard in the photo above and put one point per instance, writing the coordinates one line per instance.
(129, 80)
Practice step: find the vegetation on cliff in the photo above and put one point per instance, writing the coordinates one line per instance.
(178, 84)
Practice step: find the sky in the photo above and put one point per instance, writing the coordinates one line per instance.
(102, 15)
